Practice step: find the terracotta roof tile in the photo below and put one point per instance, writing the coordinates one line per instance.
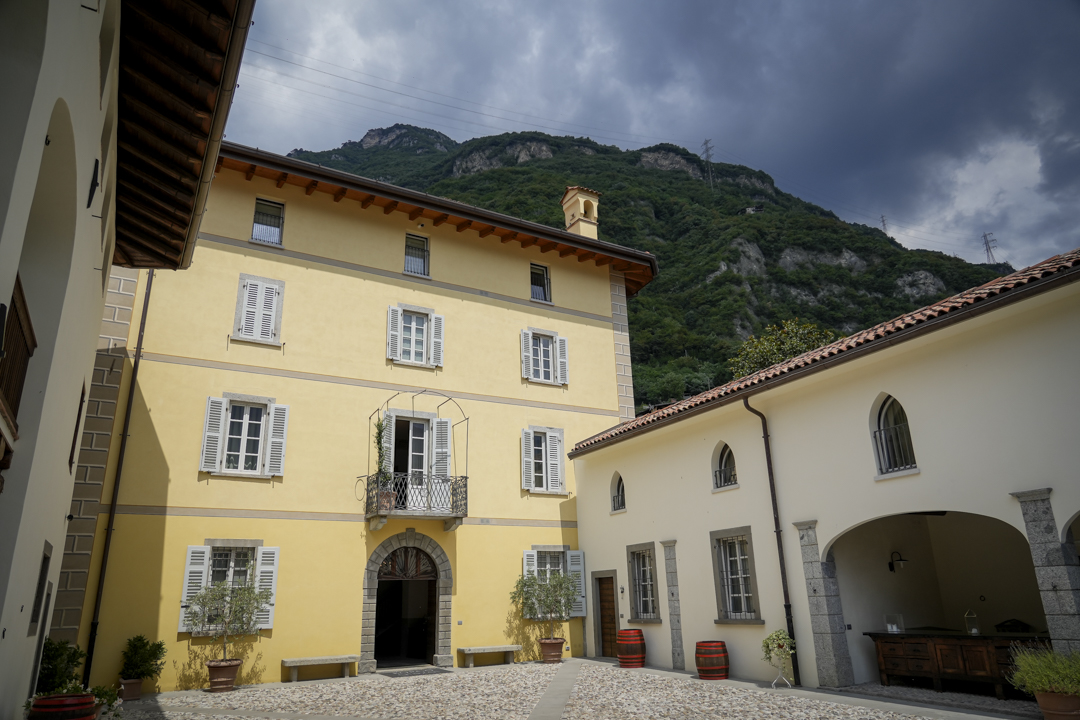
(968, 298)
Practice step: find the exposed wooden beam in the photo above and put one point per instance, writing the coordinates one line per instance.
(150, 227)
(282, 178)
(172, 191)
(487, 231)
(340, 194)
(125, 259)
(169, 169)
(529, 242)
(548, 247)
(390, 208)
(586, 256)
(440, 220)
(416, 213)
(311, 187)
(464, 226)
(366, 202)
(507, 238)
(146, 197)
(220, 162)
(567, 251)
(143, 245)
(251, 172)
(178, 227)
(621, 265)
(604, 260)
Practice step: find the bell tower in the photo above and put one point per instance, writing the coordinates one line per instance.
(579, 206)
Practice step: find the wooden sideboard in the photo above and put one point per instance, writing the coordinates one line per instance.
(946, 655)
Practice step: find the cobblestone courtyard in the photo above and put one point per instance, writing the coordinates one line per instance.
(575, 690)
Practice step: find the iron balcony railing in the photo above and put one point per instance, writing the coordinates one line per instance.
(267, 228)
(416, 260)
(893, 448)
(417, 493)
(618, 502)
(723, 477)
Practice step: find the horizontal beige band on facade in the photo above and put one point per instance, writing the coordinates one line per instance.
(246, 514)
(356, 382)
(274, 250)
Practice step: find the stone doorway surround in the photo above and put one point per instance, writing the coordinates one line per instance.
(826, 613)
(444, 585)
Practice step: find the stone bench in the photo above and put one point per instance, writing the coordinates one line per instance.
(508, 650)
(294, 663)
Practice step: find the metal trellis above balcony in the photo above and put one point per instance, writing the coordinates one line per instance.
(416, 495)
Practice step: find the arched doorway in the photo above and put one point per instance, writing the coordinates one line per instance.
(405, 608)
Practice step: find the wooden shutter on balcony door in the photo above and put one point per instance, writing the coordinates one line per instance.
(196, 572)
(526, 459)
(440, 465)
(213, 435)
(393, 333)
(554, 463)
(575, 566)
(266, 572)
(388, 442)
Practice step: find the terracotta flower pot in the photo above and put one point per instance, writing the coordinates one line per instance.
(551, 650)
(223, 674)
(1057, 706)
(80, 706)
(131, 689)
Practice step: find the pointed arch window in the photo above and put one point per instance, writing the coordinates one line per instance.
(724, 474)
(618, 500)
(892, 439)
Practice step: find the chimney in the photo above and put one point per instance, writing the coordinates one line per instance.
(579, 205)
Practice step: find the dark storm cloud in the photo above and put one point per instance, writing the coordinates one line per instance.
(950, 118)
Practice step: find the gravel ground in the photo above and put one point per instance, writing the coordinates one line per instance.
(505, 692)
(146, 713)
(608, 693)
(987, 703)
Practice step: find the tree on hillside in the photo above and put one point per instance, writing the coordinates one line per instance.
(777, 344)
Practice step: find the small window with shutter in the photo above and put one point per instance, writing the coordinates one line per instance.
(258, 310)
(542, 460)
(231, 562)
(545, 563)
(269, 222)
(414, 336)
(244, 435)
(545, 357)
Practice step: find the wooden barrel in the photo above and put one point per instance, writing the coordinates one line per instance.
(712, 660)
(64, 707)
(630, 647)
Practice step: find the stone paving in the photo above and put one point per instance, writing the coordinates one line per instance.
(575, 690)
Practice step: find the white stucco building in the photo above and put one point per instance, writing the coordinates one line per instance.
(965, 501)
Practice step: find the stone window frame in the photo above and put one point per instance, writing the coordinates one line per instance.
(714, 540)
(649, 547)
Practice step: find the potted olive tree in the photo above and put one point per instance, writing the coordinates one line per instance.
(222, 611)
(143, 660)
(548, 601)
(1053, 678)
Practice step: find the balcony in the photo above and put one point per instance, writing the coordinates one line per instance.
(18, 347)
(416, 495)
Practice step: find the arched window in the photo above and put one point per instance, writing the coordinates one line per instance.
(618, 498)
(892, 439)
(724, 473)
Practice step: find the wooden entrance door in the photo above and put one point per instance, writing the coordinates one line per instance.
(608, 623)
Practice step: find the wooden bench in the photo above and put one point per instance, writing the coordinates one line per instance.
(294, 664)
(507, 650)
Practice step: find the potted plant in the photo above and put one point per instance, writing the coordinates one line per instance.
(1053, 678)
(777, 650)
(386, 497)
(73, 700)
(222, 611)
(142, 660)
(547, 600)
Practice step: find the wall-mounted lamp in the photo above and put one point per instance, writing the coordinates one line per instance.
(896, 559)
(621, 590)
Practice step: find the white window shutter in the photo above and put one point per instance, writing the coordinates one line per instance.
(441, 461)
(437, 323)
(393, 333)
(554, 463)
(526, 354)
(196, 572)
(213, 435)
(526, 459)
(575, 564)
(388, 442)
(275, 446)
(268, 303)
(564, 361)
(266, 572)
(249, 315)
(528, 563)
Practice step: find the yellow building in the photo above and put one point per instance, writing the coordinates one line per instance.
(320, 303)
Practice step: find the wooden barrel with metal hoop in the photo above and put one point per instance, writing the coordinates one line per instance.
(64, 707)
(630, 647)
(712, 660)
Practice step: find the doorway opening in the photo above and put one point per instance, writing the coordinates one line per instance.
(609, 625)
(405, 609)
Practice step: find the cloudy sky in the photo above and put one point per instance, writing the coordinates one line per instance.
(950, 118)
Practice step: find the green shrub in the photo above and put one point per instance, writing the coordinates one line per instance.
(60, 663)
(143, 659)
(223, 611)
(548, 600)
(1041, 670)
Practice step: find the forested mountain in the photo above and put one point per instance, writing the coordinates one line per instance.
(736, 254)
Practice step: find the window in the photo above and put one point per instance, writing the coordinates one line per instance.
(545, 357)
(643, 582)
(244, 435)
(540, 282)
(417, 450)
(542, 460)
(36, 613)
(547, 560)
(618, 500)
(892, 439)
(724, 473)
(236, 562)
(733, 563)
(416, 255)
(414, 335)
(258, 310)
(269, 221)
